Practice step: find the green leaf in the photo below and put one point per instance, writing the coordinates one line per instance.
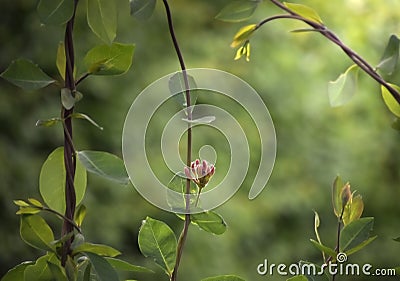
(28, 211)
(52, 181)
(61, 60)
(114, 59)
(48, 122)
(55, 11)
(16, 273)
(177, 88)
(390, 101)
(337, 196)
(26, 75)
(304, 11)
(104, 164)
(101, 268)
(210, 222)
(224, 278)
(330, 252)
(21, 203)
(57, 271)
(87, 118)
(355, 233)
(310, 274)
(142, 9)
(360, 246)
(40, 271)
(67, 100)
(390, 57)
(102, 19)
(298, 278)
(243, 35)
(35, 202)
(397, 239)
(126, 266)
(36, 232)
(80, 214)
(356, 210)
(344, 87)
(158, 241)
(237, 11)
(98, 249)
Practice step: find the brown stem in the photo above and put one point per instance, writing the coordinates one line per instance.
(69, 152)
(183, 236)
(357, 59)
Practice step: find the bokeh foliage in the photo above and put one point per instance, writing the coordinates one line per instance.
(290, 71)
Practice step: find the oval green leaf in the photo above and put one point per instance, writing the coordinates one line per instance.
(114, 59)
(57, 271)
(55, 11)
(355, 211)
(102, 19)
(102, 270)
(87, 118)
(360, 246)
(98, 249)
(142, 9)
(224, 278)
(344, 87)
(238, 11)
(40, 271)
(17, 273)
(26, 75)
(36, 232)
(210, 222)
(104, 164)
(390, 57)
(390, 101)
(355, 233)
(126, 266)
(52, 181)
(158, 241)
(304, 11)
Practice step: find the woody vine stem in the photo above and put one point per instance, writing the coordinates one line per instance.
(322, 29)
(184, 233)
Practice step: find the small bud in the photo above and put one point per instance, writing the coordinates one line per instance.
(346, 195)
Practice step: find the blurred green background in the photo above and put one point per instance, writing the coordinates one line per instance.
(289, 71)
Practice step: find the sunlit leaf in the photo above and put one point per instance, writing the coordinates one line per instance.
(52, 181)
(21, 203)
(336, 196)
(28, 211)
(114, 59)
(142, 9)
(355, 210)
(330, 252)
(390, 101)
(388, 62)
(243, 35)
(224, 278)
(102, 270)
(26, 75)
(40, 271)
(344, 87)
(237, 11)
(80, 214)
(98, 249)
(360, 246)
(158, 241)
(121, 265)
(16, 273)
(102, 19)
(210, 222)
(355, 233)
(304, 11)
(104, 164)
(87, 118)
(36, 232)
(55, 11)
(35, 202)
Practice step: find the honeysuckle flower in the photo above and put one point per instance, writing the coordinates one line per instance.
(244, 50)
(200, 172)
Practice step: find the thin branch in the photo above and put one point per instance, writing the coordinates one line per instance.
(183, 236)
(357, 59)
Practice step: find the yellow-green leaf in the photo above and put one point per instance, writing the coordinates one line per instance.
(243, 35)
(305, 12)
(344, 87)
(390, 101)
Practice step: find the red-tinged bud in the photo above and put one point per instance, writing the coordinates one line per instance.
(187, 173)
(200, 172)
